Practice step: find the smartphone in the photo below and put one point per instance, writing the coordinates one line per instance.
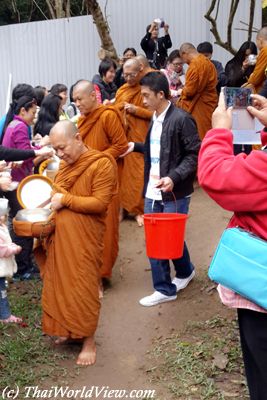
(237, 98)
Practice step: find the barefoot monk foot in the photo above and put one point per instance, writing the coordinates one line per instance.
(61, 340)
(88, 354)
(139, 219)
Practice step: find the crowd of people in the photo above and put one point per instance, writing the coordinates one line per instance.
(129, 143)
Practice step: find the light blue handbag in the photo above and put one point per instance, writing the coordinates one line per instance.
(240, 264)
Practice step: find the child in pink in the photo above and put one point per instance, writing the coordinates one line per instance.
(8, 264)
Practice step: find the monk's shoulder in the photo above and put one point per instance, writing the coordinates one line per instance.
(120, 92)
(110, 116)
(102, 163)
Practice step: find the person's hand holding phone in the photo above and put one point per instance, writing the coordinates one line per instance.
(259, 108)
(222, 116)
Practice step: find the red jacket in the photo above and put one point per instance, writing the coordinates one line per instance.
(236, 183)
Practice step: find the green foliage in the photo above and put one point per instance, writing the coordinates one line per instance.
(27, 10)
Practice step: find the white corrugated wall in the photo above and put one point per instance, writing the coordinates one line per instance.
(48, 52)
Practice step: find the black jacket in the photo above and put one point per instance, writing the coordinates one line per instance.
(9, 154)
(263, 91)
(236, 77)
(179, 146)
(157, 59)
(108, 90)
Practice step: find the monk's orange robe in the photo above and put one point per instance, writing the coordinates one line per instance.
(70, 297)
(136, 129)
(103, 130)
(199, 96)
(258, 77)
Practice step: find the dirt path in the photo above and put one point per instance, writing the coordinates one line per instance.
(126, 329)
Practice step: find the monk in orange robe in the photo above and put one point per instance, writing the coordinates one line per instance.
(101, 127)
(136, 117)
(198, 96)
(82, 191)
(257, 78)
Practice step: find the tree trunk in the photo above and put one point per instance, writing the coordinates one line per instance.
(59, 8)
(107, 47)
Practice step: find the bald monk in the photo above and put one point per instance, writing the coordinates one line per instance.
(144, 64)
(257, 78)
(101, 127)
(82, 190)
(129, 101)
(198, 96)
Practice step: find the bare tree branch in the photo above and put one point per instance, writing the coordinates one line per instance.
(227, 45)
(217, 11)
(51, 9)
(30, 13)
(15, 9)
(214, 29)
(245, 23)
(233, 8)
(245, 30)
(251, 18)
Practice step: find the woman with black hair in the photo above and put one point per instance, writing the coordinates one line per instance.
(239, 68)
(48, 115)
(40, 93)
(174, 73)
(104, 82)
(16, 136)
(22, 89)
(61, 90)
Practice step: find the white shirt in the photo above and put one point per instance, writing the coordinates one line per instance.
(154, 173)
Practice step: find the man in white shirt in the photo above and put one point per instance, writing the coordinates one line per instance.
(170, 151)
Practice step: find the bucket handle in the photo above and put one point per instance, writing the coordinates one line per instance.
(173, 195)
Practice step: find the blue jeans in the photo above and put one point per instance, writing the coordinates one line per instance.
(161, 268)
(4, 305)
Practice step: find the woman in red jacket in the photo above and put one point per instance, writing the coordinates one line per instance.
(239, 184)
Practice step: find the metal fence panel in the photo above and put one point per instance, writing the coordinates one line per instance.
(62, 51)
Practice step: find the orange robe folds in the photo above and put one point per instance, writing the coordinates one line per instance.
(70, 297)
(258, 77)
(103, 130)
(199, 96)
(136, 129)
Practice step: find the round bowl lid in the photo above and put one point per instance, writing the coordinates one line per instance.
(34, 191)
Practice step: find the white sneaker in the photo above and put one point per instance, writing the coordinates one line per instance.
(156, 298)
(182, 283)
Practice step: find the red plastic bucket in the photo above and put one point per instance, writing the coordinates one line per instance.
(165, 235)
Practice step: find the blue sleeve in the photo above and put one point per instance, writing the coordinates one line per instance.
(2, 123)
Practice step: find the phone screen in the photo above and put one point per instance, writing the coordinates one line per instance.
(237, 97)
